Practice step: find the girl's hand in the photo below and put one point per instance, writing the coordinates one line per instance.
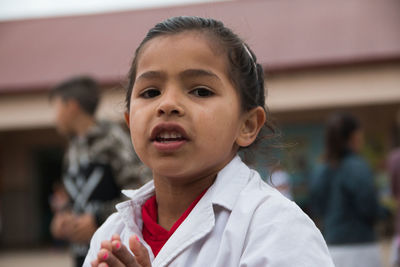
(114, 254)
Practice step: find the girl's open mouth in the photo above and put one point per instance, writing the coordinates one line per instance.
(168, 137)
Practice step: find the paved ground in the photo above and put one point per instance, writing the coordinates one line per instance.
(386, 250)
(36, 258)
(61, 258)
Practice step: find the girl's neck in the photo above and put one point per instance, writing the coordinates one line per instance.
(173, 198)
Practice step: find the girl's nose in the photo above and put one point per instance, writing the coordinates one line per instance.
(170, 105)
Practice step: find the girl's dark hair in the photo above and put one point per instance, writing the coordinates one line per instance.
(245, 73)
(339, 129)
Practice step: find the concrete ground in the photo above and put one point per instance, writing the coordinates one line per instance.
(386, 246)
(61, 258)
(36, 258)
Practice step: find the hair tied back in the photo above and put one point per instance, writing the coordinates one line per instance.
(251, 57)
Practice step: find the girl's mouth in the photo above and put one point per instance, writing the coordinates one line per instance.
(168, 137)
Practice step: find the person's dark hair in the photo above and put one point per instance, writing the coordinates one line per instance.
(339, 129)
(83, 89)
(245, 73)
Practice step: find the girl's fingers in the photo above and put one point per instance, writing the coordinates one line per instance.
(140, 251)
(116, 260)
(106, 244)
(115, 237)
(94, 263)
(114, 254)
(106, 257)
(122, 253)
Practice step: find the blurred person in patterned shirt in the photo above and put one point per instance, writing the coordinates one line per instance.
(98, 163)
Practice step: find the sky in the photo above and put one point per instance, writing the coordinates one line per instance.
(25, 9)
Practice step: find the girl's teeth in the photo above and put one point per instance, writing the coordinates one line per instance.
(169, 135)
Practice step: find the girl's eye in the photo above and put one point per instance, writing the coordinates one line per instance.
(150, 93)
(202, 92)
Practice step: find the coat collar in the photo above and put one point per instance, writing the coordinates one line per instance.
(232, 178)
(224, 192)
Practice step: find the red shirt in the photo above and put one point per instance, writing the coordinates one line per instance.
(155, 235)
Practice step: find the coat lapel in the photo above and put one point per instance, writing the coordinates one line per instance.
(201, 220)
(198, 224)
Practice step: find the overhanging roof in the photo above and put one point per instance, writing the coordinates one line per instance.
(36, 54)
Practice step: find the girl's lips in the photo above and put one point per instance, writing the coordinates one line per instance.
(168, 144)
(168, 127)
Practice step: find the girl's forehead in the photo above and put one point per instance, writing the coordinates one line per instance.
(192, 46)
(184, 40)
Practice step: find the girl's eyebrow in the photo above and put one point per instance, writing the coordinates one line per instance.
(192, 73)
(189, 73)
(150, 75)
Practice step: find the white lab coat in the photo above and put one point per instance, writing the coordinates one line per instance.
(240, 221)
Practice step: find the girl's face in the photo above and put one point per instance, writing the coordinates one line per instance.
(185, 114)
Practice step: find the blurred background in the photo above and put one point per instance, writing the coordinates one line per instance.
(319, 57)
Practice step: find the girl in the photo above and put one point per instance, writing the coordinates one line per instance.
(344, 196)
(195, 97)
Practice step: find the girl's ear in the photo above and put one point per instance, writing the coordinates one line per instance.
(252, 123)
(126, 117)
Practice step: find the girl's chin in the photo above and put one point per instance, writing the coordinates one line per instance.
(169, 173)
(173, 172)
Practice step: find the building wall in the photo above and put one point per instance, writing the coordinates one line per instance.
(334, 87)
(305, 98)
(22, 196)
(300, 100)
(288, 91)
(34, 111)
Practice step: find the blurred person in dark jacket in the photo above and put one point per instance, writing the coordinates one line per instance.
(99, 162)
(344, 196)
